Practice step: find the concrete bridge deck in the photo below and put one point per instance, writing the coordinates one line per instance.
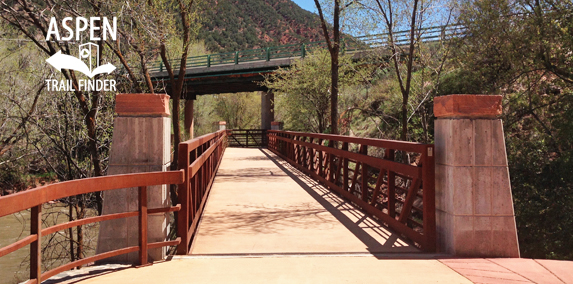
(259, 204)
(265, 222)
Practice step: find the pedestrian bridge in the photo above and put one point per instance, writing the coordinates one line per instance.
(294, 194)
(307, 208)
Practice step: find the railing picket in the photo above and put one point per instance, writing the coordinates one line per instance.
(184, 197)
(36, 246)
(345, 168)
(391, 187)
(410, 197)
(357, 166)
(320, 170)
(142, 225)
(338, 171)
(304, 153)
(364, 151)
(429, 196)
(311, 156)
(379, 182)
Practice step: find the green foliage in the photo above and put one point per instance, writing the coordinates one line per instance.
(512, 38)
(522, 50)
(205, 118)
(541, 165)
(302, 91)
(239, 111)
(461, 81)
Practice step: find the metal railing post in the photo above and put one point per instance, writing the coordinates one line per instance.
(236, 57)
(36, 246)
(160, 66)
(303, 50)
(183, 195)
(209, 60)
(364, 185)
(391, 186)
(429, 198)
(268, 54)
(142, 225)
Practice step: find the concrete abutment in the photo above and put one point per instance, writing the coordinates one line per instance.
(474, 207)
(141, 143)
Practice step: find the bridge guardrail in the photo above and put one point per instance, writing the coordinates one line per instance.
(399, 194)
(36, 197)
(199, 158)
(349, 44)
(247, 138)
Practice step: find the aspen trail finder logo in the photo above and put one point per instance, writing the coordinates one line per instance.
(87, 61)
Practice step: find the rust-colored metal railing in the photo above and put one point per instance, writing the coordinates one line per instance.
(199, 158)
(198, 162)
(399, 194)
(247, 138)
(34, 199)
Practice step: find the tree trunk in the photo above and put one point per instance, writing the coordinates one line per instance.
(334, 49)
(404, 132)
(176, 96)
(90, 122)
(334, 95)
(71, 231)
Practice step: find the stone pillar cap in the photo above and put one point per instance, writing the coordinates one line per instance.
(222, 122)
(142, 105)
(468, 106)
(276, 122)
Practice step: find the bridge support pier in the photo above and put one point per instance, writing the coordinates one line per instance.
(267, 109)
(189, 120)
(141, 143)
(474, 207)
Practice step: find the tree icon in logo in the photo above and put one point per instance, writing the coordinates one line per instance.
(89, 54)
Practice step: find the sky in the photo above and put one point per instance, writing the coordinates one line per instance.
(306, 4)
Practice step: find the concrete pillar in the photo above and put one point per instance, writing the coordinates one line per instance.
(474, 207)
(276, 125)
(189, 121)
(141, 143)
(267, 109)
(222, 125)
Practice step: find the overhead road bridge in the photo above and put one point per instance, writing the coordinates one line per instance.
(245, 70)
(242, 71)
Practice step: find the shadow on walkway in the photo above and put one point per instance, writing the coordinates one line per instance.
(355, 220)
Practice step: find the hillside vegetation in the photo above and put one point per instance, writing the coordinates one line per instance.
(230, 25)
